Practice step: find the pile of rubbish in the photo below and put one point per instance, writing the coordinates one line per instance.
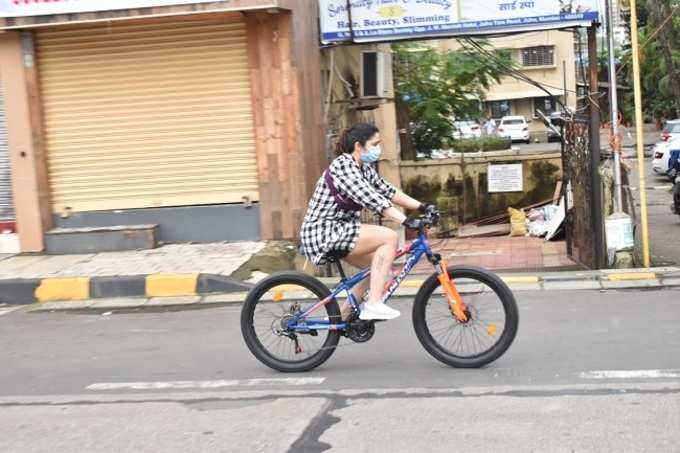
(545, 221)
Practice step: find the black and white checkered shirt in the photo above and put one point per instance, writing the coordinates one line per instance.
(326, 227)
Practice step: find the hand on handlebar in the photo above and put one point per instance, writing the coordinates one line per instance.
(414, 224)
(426, 208)
(421, 222)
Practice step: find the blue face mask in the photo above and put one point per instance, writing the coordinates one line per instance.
(372, 155)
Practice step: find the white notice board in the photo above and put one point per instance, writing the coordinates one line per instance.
(505, 178)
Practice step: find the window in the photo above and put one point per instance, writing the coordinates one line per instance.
(545, 105)
(538, 56)
(514, 122)
(499, 109)
(671, 128)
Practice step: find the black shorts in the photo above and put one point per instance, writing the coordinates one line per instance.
(337, 254)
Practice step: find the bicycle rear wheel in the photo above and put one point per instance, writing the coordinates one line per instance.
(264, 322)
(492, 318)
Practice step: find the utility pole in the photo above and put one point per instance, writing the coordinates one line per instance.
(614, 139)
(638, 132)
(596, 196)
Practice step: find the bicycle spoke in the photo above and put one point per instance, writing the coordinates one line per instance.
(269, 320)
(469, 339)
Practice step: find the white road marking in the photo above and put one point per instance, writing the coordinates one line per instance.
(205, 384)
(630, 374)
(7, 310)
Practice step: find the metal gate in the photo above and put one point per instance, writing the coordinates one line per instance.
(583, 193)
(6, 201)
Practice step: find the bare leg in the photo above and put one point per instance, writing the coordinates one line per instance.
(381, 243)
(362, 262)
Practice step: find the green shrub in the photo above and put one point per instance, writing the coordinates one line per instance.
(492, 143)
(466, 145)
(487, 143)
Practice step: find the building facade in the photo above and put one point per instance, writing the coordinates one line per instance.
(203, 118)
(545, 56)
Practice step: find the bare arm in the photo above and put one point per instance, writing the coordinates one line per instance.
(403, 200)
(394, 214)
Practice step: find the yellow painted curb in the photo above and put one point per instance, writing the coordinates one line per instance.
(412, 283)
(52, 289)
(521, 279)
(167, 285)
(631, 276)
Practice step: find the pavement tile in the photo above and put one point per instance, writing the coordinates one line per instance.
(630, 284)
(64, 305)
(224, 298)
(671, 281)
(570, 285)
(525, 286)
(551, 261)
(180, 300)
(566, 276)
(4, 256)
(14, 264)
(119, 302)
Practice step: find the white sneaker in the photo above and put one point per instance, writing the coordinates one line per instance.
(378, 311)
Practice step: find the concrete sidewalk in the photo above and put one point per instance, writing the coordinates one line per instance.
(218, 258)
(172, 270)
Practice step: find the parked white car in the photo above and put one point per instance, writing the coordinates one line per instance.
(661, 155)
(466, 129)
(671, 130)
(516, 128)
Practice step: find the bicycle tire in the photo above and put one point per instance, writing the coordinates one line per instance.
(259, 350)
(445, 356)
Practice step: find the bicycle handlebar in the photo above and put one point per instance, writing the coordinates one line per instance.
(429, 219)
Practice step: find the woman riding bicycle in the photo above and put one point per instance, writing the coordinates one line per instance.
(331, 229)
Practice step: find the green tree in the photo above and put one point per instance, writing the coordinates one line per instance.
(659, 60)
(433, 88)
(667, 43)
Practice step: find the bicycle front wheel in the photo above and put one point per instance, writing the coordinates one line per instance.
(492, 318)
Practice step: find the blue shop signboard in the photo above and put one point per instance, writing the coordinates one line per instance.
(384, 20)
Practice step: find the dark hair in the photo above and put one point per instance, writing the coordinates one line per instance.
(360, 132)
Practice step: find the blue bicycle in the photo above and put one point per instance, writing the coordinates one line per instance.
(463, 316)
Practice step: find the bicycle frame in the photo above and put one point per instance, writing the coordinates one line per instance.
(419, 247)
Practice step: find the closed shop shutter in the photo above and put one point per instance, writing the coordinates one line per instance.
(147, 115)
(6, 201)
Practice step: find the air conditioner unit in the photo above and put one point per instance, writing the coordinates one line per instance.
(376, 74)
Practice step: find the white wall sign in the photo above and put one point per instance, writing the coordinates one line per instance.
(505, 178)
(380, 20)
(20, 8)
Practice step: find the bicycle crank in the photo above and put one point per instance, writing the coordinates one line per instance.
(360, 331)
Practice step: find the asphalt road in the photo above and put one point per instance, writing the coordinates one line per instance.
(664, 227)
(589, 372)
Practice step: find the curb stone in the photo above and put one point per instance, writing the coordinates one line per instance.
(54, 289)
(216, 290)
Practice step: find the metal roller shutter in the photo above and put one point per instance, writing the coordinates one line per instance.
(147, 115)
(6, 200)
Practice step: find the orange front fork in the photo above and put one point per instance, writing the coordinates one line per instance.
(456, 303)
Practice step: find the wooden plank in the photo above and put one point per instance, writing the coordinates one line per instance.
(558, 191)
